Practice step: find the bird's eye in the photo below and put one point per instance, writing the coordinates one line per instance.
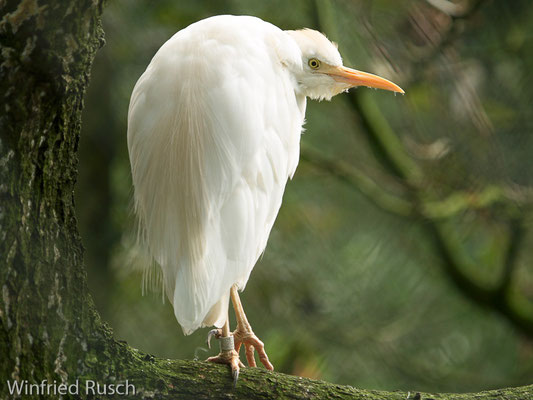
(314, 63)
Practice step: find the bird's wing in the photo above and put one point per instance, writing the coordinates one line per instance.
(213, 135)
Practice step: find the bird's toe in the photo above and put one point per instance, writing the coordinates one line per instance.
(251, 344)
(230, 357)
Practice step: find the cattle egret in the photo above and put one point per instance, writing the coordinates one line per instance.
(214, 129)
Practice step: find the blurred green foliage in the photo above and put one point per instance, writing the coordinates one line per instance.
(346, 291)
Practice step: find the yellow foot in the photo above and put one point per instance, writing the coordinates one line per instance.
(251, 343)
(230, 357)
(227, 354)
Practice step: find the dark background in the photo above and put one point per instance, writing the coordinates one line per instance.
(353, 288)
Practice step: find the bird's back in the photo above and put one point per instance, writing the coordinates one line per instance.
(213, 135)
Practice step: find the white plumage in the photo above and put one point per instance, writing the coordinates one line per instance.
(214, 128)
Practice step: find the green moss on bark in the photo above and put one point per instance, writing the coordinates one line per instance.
(46, 52)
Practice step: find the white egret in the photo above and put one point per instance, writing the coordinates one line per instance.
(214, 128)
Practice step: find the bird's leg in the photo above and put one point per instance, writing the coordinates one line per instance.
(244, 334)
(227, 354)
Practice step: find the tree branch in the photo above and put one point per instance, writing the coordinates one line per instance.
(394, 159)
(389, 150)
(516, 238)
(156, 378)
(435, 209)
(346, 173)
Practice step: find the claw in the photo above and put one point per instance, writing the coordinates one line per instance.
(213, 332)
(235, 374)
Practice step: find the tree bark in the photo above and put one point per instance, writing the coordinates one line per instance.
(50, 330)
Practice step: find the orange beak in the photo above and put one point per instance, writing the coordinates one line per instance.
(353, 78)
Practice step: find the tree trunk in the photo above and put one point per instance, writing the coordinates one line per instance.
(50, 330)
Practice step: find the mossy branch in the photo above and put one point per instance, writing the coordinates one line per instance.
(156, 378)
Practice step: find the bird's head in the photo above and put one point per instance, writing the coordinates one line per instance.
(322, 75)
